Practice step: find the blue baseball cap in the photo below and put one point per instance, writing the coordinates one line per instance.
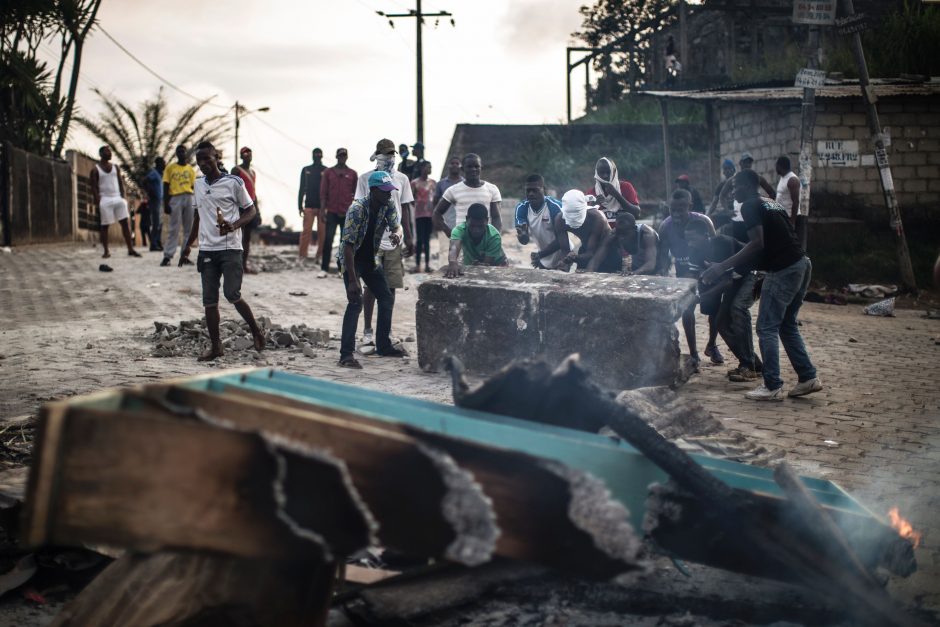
(382, 180)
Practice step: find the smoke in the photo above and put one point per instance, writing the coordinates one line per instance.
(529, 25)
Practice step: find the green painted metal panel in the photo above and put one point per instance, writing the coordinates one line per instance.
(626, 472)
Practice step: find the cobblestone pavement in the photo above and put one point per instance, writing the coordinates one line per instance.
(875, 429)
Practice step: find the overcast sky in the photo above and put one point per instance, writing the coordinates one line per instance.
(335, 74)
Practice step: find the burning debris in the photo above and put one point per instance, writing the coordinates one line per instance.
(239, 450)
(903, 527)
(190, 337)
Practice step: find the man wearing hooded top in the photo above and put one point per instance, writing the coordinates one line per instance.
(390, 254)
(612, 194)
(590, 226)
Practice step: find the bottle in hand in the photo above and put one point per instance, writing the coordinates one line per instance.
(218, 217)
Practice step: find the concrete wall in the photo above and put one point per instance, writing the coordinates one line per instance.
(768, 131)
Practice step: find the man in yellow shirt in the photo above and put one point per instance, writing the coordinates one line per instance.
(178, 203)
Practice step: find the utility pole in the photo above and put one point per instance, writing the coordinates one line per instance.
(881, 157)
(807, 129)
(238, 110)
(419, 22)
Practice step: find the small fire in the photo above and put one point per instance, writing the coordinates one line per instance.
(904, 528)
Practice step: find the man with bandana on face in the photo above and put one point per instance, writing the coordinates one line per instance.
(612, 194)
(389, 255)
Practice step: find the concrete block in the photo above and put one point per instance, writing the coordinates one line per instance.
(928, 198)
(928, 171)
(913, 132)
(853, 174)
(624, 328)
(914, 158)
(865, 187)
(854, 119)
(828, 119)
(900, 173)
(913, 185)
(933, 158)
(933, 185)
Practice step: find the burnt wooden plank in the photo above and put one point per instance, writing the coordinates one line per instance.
(147, 483)
(547, 513)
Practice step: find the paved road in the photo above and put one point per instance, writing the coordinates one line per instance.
(69, 329)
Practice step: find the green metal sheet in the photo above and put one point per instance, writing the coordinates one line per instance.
(626, 472)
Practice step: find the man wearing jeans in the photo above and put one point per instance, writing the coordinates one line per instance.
(774, 246)
(367, 219)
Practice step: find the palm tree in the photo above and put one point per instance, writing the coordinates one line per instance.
(136, 139)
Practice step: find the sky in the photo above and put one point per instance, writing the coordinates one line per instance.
(334, 73)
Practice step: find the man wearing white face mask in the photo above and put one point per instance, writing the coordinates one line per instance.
(389, 256)
(589, 225)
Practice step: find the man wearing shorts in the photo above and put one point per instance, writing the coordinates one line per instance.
(107, 187)
(178, 180)
(223, 208)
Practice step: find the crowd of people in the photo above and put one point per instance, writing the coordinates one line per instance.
(742, 245)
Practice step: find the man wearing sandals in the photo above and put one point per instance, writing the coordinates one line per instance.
(367, 219)
(223, 207)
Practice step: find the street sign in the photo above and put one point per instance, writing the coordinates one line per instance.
(810, 78)
(814, 12)
(852, 24)
(838, 153)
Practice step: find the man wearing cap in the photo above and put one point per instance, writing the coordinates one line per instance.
(249, 177)
(389, 254)
(367, 220)
(337, 191)
(308, 204)
(684, 182)
(590, 226)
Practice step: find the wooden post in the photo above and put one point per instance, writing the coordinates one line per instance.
(881, 158)
(807, 128)
(683, 37)
(667, 164)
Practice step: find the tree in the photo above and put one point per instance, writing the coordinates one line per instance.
(620, 25)
(32, 110)
(137, 138)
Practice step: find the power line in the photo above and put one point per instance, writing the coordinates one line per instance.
(160, 78)
(280, 132)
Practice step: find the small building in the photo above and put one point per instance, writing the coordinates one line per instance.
(766, 123)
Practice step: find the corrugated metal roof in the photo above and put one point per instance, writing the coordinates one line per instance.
(883, 89)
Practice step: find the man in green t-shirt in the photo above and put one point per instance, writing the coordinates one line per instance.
(479, 240)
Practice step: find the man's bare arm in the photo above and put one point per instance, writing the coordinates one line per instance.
(495, 218)
(767, 187)
(602, 251)
(650, 253)
(193, 233)
(438, 217)
(793, 185)
(453, 260)
(120, 179)
(94, 186)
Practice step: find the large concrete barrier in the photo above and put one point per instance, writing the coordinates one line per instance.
(623, 327)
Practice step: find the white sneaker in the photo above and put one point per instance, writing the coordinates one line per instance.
(806, 387)
(761, 393)
(367, 338)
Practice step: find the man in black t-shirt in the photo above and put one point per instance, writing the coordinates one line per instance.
(774, 247)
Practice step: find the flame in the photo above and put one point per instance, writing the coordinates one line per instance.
(904, 528)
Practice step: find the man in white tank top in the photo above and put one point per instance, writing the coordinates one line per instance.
(107, 187)
(788, 197)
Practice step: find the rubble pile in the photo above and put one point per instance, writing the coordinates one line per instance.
(190, 337)
(281, 260)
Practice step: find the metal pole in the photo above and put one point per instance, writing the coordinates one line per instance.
(419, 17)
(236, 132)
(568, 81)
(667, 163)
(881, 158)
(807, 129)
(587, 86)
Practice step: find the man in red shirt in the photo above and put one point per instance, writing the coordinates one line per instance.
(337, 188)
(249, 176)
(612, 194)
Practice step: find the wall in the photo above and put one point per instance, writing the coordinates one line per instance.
(768, 131)
(37, 198)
